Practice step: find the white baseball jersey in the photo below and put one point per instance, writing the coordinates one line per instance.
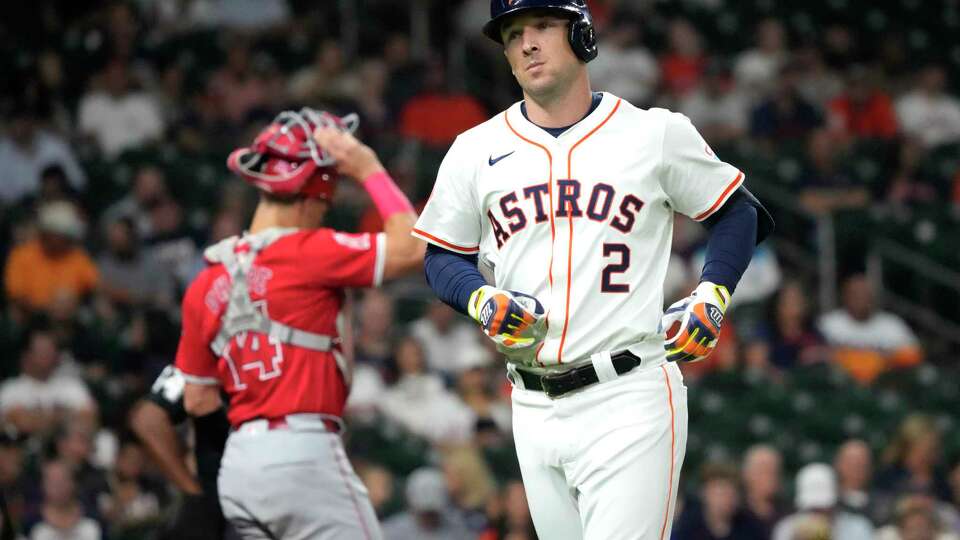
(582, 221)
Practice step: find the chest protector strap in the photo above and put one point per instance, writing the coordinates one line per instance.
(241, 314)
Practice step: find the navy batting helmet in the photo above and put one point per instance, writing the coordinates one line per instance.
(582, 38)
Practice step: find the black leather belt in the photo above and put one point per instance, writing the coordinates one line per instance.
(558, 384)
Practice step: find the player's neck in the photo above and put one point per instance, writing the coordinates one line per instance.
(562, 109)
(268, 216)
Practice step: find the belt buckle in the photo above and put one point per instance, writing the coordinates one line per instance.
(549, 379)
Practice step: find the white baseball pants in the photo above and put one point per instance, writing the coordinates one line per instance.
(293, 484)
(603, 463)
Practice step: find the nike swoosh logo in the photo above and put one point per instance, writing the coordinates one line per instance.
(493, 161)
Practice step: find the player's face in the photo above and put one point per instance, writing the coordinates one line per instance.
(540, 56)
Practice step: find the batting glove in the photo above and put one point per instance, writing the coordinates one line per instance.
(511, 319)
(691, 326)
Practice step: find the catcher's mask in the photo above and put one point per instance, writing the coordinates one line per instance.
(285, 161)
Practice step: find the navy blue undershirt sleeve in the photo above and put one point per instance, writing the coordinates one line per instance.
(452, 276)
(733, 235)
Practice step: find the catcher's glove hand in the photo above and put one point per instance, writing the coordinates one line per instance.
(691, 326)
(511, 319)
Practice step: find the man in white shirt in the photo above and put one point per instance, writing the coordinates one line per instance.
(756, 69)
(625, 68)
(868, 341)
(40, 398)
(449, 342)
(25, 150)
(927, 112)
(717, 107)
(816, 495)
(117, 117)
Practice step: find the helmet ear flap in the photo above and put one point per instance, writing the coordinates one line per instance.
(583, 39)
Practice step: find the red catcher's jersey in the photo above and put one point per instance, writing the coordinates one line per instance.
(298, 280)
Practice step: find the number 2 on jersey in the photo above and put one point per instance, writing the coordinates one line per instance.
(606, 282)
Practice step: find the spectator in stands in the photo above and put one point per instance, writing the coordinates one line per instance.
(839, 46)
(916, 518)
(784, 115)
(420, 403)
(756, 69)
(131, 277)
(380, 486)
(236, 86)
(374, 343)
(14, 483)
(41, 398)
(508, 516)
(816, 494)
(682, 66)
(448, 340)
(149, 191)
(865, 340)
(429, 514)
(61, 515)
(794, 339)
(817, 83)
(954, 481)
(475, 390)
(74, 446)
(26, 150)
(54, 185)
(825, 184)
(437, 114)
(863, 110)
(52, 262)
(404, 74)
(371, 85)
(173, 244)
(762, 489)
(116, 115)
(170, 94)
(718, 109)
(326, 79)
(134, 501)
(927, 112)
(909, 183)
(718, 514)
(626, 68)
(853, 463)
(469, 485)
(913, 460)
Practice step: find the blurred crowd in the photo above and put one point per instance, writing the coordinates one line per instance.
(116, 121)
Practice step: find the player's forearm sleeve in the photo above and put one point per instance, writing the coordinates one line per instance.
(452, 276)
(733, 236)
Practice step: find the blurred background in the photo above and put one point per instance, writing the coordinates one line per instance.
(836, 382)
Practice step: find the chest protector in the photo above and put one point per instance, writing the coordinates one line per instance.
(237, 254)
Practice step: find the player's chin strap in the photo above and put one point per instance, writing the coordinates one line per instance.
(242, 315)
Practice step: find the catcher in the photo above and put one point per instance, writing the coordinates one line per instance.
(263, 322)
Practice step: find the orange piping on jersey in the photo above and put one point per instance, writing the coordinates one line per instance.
(723, 196)
(553, 231)
(666, 515)
(566, 312)
(446, 244)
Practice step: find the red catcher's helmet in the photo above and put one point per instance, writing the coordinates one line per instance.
(285, 160)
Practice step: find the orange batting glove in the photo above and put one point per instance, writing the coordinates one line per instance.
(691, 326)
(511, 319)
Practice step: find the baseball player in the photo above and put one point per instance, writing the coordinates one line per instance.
(263, 323)
(566, 201)
(154, 420)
